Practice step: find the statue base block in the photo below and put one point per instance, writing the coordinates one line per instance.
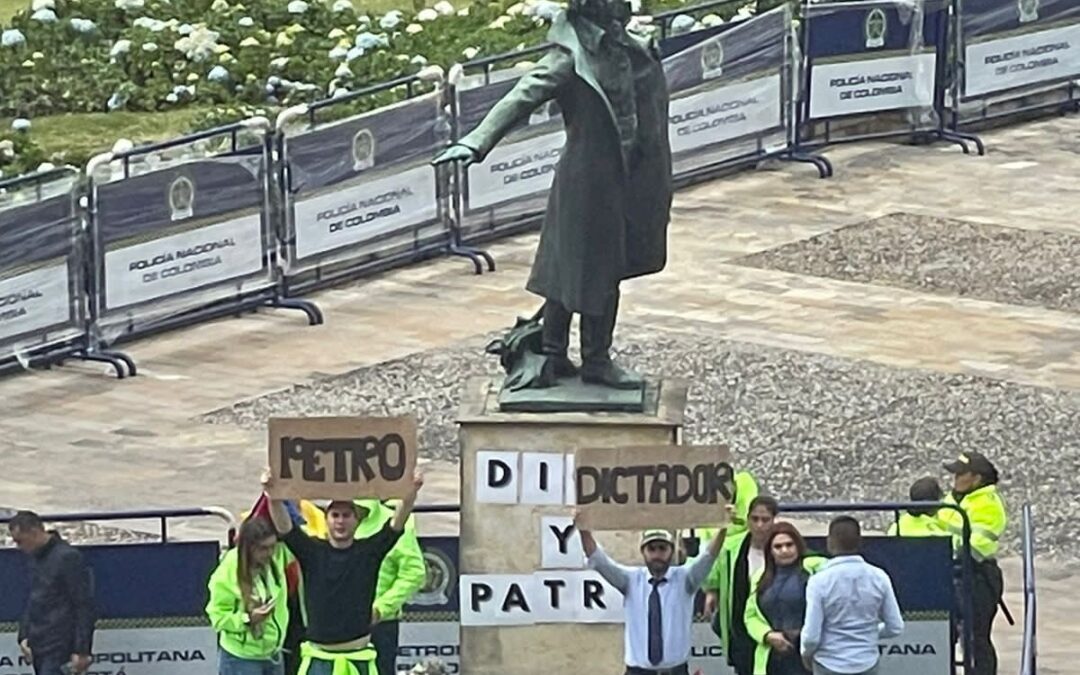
(570, 394)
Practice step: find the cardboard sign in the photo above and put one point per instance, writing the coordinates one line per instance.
(669, 486)
(342, 457)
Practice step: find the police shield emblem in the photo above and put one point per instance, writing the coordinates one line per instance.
(876, 26)
(1029, 10)
(363, 150)
(712, 59)
(181, 198)
(440, 574)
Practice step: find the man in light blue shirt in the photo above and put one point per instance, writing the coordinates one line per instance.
(850, 607)
(658, 600)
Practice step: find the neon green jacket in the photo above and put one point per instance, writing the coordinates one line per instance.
(721, 580)
(756, 623)
(917, 526)
(403, 570)
(228, 615)
(986, 511)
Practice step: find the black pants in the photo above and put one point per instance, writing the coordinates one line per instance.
(677, 670)
(987, 587)
(294, 635)
(596, 331)
(384, 637)
(50, 663)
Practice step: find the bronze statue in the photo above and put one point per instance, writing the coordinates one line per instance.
(608, 210)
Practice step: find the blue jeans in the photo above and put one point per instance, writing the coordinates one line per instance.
(234, 665)
(50, 664)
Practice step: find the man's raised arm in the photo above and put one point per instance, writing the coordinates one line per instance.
(402, 512)
(279, 515)
(615, 574)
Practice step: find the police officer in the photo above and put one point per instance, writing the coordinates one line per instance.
(975, 491)
(923, 522)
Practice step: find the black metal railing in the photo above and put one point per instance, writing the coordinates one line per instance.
(161, 515)
(1028, 650)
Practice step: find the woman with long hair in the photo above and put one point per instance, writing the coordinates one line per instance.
(777, 604)
(249, 602)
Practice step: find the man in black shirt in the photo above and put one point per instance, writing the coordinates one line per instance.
(339, 576)
(57, 628)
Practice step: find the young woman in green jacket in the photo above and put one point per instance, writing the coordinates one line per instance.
(777, 604)
(248, 602)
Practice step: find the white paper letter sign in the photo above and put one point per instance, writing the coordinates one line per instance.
(560, 544)
(571, 493)
(542, 478)
(576, 597)
(497, 477)
(496, 599)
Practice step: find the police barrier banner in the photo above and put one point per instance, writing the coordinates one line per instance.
(149, 601)
(1008, 44)
(513, 180)
(40, 267)
(175, 239)
(872, 56)
(357, 183)
(727, 93)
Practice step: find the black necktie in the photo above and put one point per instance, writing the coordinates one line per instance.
(656, 624)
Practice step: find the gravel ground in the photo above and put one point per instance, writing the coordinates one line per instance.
(811, 427)
(952, 257)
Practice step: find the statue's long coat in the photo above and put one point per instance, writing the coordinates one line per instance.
(605, 221)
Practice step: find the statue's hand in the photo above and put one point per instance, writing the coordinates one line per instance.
(456, 153)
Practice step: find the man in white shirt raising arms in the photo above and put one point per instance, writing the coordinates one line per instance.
(850, 607)
(658, 599)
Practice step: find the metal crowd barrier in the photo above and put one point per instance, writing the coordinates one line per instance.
(161, 515)
(1029, 647)
(247, 216)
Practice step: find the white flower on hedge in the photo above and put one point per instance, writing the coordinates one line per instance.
(249, 41)
(444, 8)
(120, 47)
(44, 16)
(283, 40)
(226, 59)
(338, 53)
(363, 19)
(515, 9)
(418, 60)
(336, 34)
(199, 44)
(297, 7)
(153, 25)
(500, 22)
(427, 14)
(343, 71)
(37, 56)
(171, 98)
(219, 6)
(390, 20)
(342, 5)
(470, 52)
(116, 101)
(84, 26)
(12, 37)
(149, 47)
(682, 23)
(221, 49)
(710, 20)
(218, 74)
(246, 22)
(280, 62)
(353, 54)
(463, 11)
(28, 63)
(20, 124)
(414, 28)
(129, 4)
(7, 149)
(367, 40)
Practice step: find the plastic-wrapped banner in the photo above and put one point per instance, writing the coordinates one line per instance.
(514, 178)
(362, 179)
(40, 271)
(872, 56)
(1009, 44)
(727, 93)
(171, 240)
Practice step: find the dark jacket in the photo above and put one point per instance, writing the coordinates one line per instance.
(607, 215)
(59, 616)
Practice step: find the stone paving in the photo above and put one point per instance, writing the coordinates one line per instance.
(76, 439)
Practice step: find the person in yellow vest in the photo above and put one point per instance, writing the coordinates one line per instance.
(776, 608)
(401, 575)
(727, 587)
(974, 490)
(921, 522)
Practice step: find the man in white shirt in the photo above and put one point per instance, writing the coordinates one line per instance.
(658, 599)
(850, 607)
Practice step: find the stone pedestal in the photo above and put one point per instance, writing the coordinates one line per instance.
(505, 538)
